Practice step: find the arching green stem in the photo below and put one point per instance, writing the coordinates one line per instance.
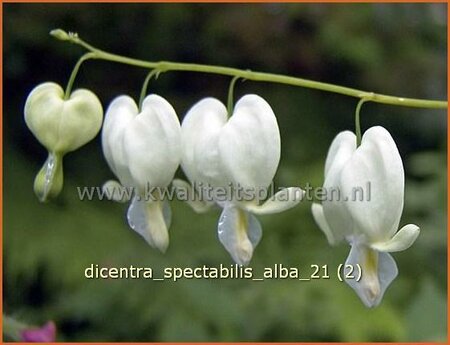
(230, 101)
(164, 66)
(358, 120)
(153, 73)
(74, 73)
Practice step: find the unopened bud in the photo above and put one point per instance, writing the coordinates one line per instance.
(60, 34)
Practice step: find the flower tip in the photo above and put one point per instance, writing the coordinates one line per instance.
(372, 294)
(244, 252)
(161, 243)
(369, 291)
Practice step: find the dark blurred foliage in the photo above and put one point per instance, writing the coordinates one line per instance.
(397, 49)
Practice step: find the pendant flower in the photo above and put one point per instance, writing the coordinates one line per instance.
(143, 149)
(61, 125)
(231, 162)
(368, 221)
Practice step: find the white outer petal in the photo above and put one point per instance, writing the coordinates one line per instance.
(114, 191)
(250, 144)
(119, 115)
(319, 217)
(152, 144)
(402, 240)
(281, 201)
(376, 162)
(200, 131)
(340, 151)
(334, 208)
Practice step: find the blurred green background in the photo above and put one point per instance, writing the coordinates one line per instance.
(398, 49)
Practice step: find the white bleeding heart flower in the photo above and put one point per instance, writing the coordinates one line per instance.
(368, 223)
(143, 149)
(235, 160)
(61, 125)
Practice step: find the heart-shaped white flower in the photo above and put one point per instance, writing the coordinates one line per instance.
(366, 210)
(143, 149)
(232, 162)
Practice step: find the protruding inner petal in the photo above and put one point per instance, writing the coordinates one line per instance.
(239, 232)
(319, 217)
(151, 220)
(114, 191)
(378, 272)
(281, 201)
(402, 240)
(49, 180)
(185, 192)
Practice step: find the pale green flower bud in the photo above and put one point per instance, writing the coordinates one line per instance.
(61, 125)
(60, 34)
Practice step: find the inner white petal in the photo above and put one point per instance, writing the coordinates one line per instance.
(151, 220)
(378, 271)
(239, 232)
